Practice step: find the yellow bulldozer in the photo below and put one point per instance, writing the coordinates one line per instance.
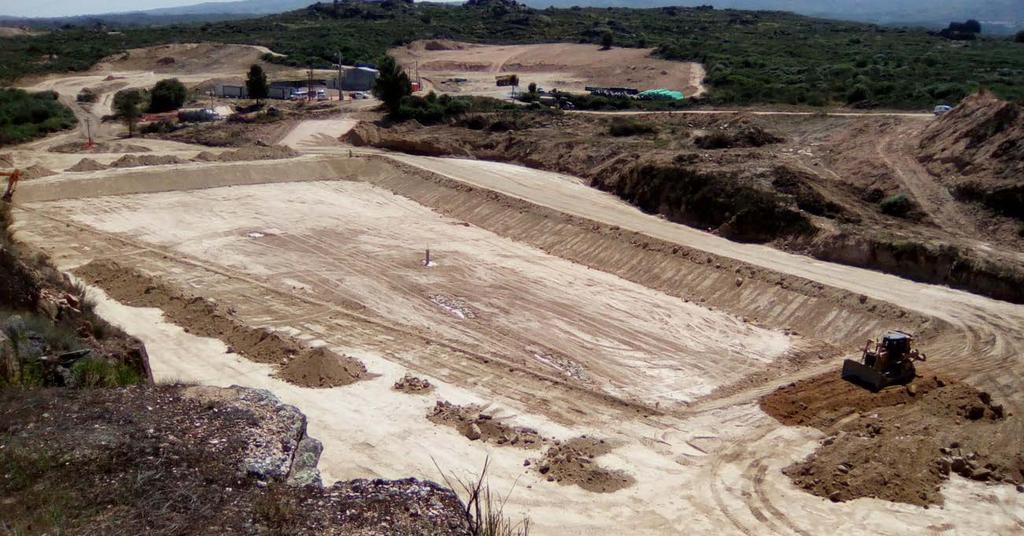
(889, 361)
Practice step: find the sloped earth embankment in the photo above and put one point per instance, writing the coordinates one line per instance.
(900, 444)
(180, 460)
(977, 150)
(299, 363)
(739, 190)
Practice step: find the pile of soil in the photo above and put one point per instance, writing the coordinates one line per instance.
(87, 164)
(36, 172)
(413, 385)
(977, 150)
(135, 160)
(273, 152)
(206, 318)
(572, 462)
(899, 444)
(475, 425)
(321, 367)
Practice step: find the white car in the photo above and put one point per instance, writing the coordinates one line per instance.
(942, 109)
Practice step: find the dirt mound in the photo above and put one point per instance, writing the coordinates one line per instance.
(977, 151)
(413, 385)
(736, 135)
(899, 444)
(273, 152)
(572, 462)
(321, 367)
(136, 160)
(206, 318)
(471, 422)
(36, 172)
(982, 136)
(87, 164)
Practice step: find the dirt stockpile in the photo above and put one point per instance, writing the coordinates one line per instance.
(273, 152)
(572, 462)
(413, 385)
(36, 172)
(977, 150)
(321, 367)
(180, 460)
(471, 422)
(899, 444)
(205, 318)
(87, 164)
(136, 160)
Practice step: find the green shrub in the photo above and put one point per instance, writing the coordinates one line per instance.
(95, 372)
(167, 95)
(629, 127)
(898, 205)
(25, 116)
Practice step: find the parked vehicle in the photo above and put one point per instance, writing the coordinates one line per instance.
(942, 109)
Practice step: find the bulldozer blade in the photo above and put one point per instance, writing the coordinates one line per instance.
(863, 375)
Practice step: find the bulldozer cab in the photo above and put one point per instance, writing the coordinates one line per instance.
(896, 343)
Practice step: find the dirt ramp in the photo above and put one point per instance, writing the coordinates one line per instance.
(900, 444)
(321, 367)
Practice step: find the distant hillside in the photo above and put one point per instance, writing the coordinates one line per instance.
(999, 16)
(243, 7)
(750, 57)
(194, 13)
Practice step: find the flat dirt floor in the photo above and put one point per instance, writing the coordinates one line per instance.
(466, 68)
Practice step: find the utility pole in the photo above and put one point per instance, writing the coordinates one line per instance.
(309, 83)
(341, 96)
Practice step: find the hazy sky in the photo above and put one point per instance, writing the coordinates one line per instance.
(60, 8)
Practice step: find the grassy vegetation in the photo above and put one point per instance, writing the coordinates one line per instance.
(26, 116)
(434, 109)
(751, 57)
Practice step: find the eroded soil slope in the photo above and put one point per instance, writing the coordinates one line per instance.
(977, 151)
(899, 444)
(843, 189)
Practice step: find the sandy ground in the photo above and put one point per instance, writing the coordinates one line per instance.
(361, 290)
(454, 67)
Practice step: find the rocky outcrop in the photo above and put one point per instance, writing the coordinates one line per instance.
(183, 460)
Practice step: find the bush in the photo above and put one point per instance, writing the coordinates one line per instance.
(898, 205)
(629, 127)
(87, 96)
(167, 95)
(94, 372)
(25, 116)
